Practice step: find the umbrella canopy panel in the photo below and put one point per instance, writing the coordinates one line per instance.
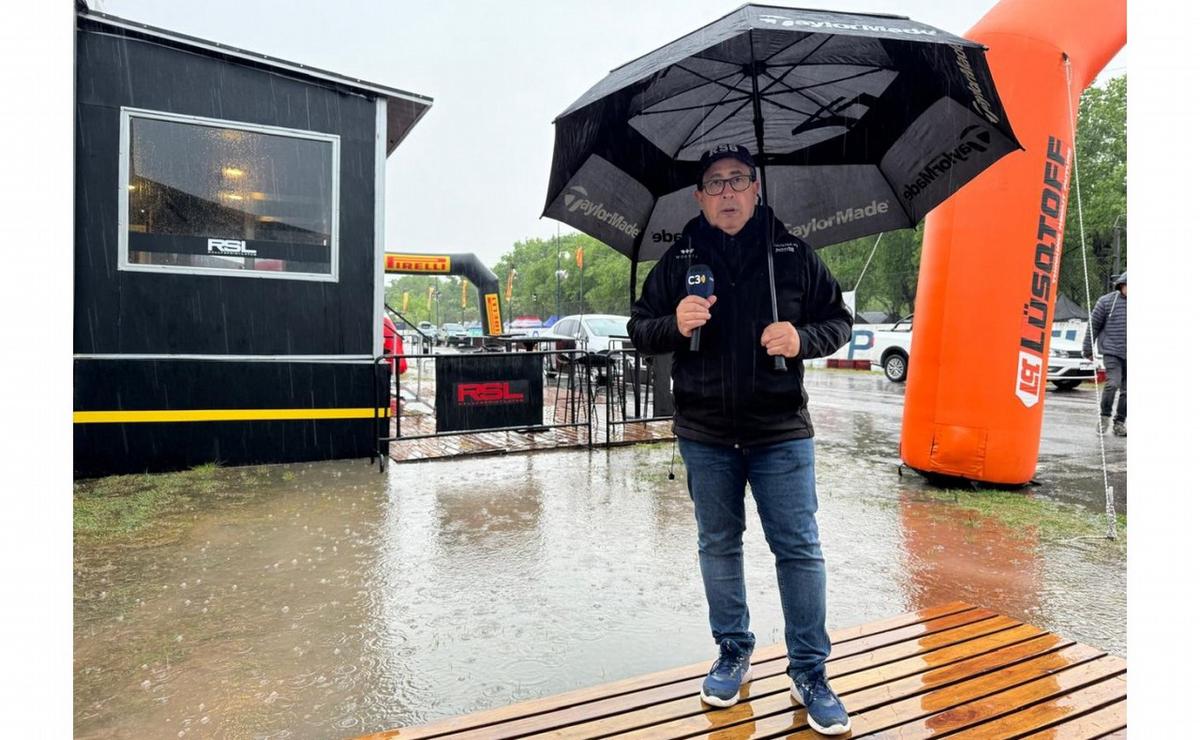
(866, 124)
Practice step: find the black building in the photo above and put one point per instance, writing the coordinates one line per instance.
(229, 251)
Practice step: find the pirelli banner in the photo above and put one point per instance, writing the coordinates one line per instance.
(488, 391)
(468, 266)
(416, 263)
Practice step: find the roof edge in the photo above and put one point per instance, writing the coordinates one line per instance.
(303, 70)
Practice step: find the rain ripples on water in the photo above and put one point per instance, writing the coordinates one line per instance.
(328, 600)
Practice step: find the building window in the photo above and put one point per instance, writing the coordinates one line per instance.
(216, 197)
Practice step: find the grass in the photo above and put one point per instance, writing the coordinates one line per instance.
(1019, 510)
(119, 505)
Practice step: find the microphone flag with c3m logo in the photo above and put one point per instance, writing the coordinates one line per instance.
(699, 282)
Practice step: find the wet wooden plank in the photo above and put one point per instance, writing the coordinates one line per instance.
(919, 706)
(687, 712)
(1105, 722)
(1069, 689)
(942, 617)
(952, 671)
(779, 713)
(868, 643)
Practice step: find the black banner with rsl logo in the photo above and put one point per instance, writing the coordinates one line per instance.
(481, 391)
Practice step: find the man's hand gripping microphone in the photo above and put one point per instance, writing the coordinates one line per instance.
(699, 283)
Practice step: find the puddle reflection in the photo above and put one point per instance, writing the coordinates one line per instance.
(337, 601)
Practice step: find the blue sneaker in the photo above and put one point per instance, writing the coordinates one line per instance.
(725, 678)
(826, 713)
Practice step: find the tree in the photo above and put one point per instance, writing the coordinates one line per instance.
(889, 283)
(605, 277)
(1100, 144)
(449, 295)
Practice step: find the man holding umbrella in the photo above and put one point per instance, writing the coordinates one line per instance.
(857, 124)
(739, 420)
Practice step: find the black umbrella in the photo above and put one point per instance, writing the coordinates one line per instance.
(866, 122)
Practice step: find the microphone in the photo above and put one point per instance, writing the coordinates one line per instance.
(699, 282)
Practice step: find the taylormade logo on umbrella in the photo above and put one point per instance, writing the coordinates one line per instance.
(973, 139)
(582, 202)
(864, 123)
(981, 104)
(846, 216)
(786, 22)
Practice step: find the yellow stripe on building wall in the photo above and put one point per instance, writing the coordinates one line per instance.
(177, 415)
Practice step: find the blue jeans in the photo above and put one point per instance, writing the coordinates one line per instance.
(783, 481)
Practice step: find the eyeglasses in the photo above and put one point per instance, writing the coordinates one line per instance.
(739, 183)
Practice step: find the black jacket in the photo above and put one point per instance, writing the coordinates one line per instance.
(728, 392)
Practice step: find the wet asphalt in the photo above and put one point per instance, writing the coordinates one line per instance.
(335, 600)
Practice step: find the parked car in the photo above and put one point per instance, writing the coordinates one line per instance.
(891, 350)
(452, 333)
(393, 344)
(526, 326)
(1068, 367)
(596, 334)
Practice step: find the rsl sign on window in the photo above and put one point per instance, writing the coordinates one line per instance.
(488, 391)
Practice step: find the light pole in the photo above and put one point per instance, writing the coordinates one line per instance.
(559, 276)
(514, 291)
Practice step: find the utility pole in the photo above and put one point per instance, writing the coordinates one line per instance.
(1116, 268)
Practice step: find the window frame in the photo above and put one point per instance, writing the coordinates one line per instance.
(123, 263)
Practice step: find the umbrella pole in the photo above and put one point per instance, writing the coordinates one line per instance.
(633, 267)
(769, 227)
(780, 364)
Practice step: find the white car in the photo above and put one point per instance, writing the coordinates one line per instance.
(892, 348)
(1068, 367)
(596, 334)
(452, 333)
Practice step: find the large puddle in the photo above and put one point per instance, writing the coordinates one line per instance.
(332, 601)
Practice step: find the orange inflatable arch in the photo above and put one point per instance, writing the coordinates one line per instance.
(990, 259)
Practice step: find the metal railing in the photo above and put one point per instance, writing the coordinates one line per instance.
(574, 381)
(632, 378)
(567, 397)
(427, 342)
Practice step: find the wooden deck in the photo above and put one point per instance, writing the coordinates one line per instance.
(949, 671)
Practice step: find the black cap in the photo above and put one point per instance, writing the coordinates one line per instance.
(723, 151)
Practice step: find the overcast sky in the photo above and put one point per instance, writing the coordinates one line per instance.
(472, 175)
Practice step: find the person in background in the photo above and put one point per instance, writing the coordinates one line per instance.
(393, 344)
(1108, 323)
(738, 420)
